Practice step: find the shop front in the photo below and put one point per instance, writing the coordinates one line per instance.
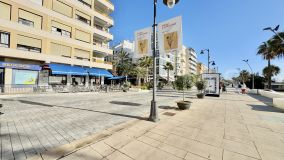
(76, 75)
(17, 77)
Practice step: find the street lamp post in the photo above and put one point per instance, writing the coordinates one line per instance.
(246, 61)
(208, 51)
(154, 111)
(274, 31)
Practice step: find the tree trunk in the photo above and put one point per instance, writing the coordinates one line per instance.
(139, 81)
(269, 77)
(183, 95)
(147, 75)
(168, 78)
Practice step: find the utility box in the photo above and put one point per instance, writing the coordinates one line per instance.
(212, 84)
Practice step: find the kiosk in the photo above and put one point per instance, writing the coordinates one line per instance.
(212, 84)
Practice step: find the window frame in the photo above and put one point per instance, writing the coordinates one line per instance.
(9, 38)
(28, 48)
(61, 32)
(20, 20)
(81, 19)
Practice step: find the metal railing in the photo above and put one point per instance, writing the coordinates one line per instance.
(21, 89)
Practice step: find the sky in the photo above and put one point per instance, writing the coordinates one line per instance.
(231, 29)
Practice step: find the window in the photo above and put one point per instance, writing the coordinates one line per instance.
(82, 19)
(86, 3)
(62, 8)
(28, 48)
(30, 19)
(82, 54)
(4, 39)
(83, 36)
(28, 44)
(5, 11)
(60, 50)
(61, 32)
(26, 22)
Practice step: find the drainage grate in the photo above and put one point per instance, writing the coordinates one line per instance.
(169, 114)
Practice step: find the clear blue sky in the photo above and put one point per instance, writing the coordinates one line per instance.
(231, 29)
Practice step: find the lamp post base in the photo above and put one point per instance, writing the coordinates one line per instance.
(154, 113)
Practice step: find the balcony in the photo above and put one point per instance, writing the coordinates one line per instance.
(102, 48)
(105, 5)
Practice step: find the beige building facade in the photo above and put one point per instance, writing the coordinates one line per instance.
(54, 40)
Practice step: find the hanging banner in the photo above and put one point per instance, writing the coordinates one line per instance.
(143, 42)
(170, 35)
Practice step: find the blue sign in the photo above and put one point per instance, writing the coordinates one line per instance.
(20, 66)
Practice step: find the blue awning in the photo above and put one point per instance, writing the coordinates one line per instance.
(62, 69)
(99, 72)
(117, 78)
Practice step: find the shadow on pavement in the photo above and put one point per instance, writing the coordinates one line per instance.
(265, 108)
(125, 103)
(82, 109)
(265, 100)
(35, 103)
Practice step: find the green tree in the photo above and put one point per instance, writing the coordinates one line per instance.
(279, 44)
(138, 72)
(183, 83)
(270, 71)
(146, 62)
(168, 67)
(121, 63)
(269, 50)
(244, 76)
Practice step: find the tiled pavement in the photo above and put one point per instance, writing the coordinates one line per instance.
(232, 127)
(34, 124)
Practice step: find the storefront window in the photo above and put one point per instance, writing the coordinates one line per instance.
(25, 77)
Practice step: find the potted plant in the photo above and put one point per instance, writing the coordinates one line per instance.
(125, 86)
(183, 83)
(200, 85)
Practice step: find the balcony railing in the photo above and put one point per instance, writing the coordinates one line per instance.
(101, 61)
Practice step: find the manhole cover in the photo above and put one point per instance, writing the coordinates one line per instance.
(169, 114)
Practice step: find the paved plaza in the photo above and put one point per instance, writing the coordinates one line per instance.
(33, 124)
(232, 127)
(90, 126)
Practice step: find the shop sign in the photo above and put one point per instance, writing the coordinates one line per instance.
(20, 66)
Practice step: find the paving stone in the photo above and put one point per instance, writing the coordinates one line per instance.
(102, 148)
(206, 151)
(118, 156)
(245, 149)
(173, 150)
(191, 156)
(235, 156)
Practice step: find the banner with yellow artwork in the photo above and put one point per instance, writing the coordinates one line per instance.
(170, 35)
(143, 42)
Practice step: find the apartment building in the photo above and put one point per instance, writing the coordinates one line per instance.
(45, 42)
(186, 62)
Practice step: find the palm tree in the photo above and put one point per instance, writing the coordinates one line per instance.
(121, 63)
(168, 67)
(279, 44)
(244, 76)
(146, 62)
(270, 71)
(138, 72)
(268, 50)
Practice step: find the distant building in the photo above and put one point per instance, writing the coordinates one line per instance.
(186, 62)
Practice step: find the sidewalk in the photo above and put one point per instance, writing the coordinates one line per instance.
(232, 127)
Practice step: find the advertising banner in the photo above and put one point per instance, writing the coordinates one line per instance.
(143, 42)
(170, 35)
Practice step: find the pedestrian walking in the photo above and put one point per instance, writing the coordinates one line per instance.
(244, 87)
